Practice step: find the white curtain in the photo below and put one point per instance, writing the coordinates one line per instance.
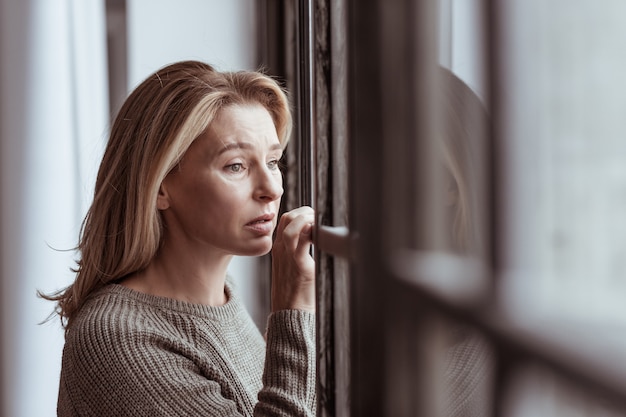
(54, 118)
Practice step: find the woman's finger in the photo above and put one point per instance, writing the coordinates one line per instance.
(288, 218)
(296, 230)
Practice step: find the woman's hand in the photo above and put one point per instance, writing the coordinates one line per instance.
(293, 268)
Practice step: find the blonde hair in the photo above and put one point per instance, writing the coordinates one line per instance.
(155, 126)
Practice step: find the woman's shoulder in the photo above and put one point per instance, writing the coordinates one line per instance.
(122, 302)
(116, 314)
(109, 318)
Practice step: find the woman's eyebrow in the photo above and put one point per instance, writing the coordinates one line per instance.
(245, 145)
(234, 145)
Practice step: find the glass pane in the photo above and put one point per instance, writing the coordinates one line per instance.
(565, 159)
(564, 180)
(536, 392)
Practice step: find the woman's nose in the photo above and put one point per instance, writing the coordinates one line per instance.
(269, 185)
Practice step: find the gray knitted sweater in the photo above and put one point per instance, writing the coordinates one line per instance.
(133, 354)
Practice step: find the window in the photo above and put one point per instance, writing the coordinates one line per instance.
(468, 177)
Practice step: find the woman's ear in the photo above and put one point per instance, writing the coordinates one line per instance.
(163, 201)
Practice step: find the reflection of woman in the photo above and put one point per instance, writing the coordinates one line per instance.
(463, 144)
(469, 365)
(154, 327)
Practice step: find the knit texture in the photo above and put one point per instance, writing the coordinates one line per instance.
(468, 378)
(133, 354)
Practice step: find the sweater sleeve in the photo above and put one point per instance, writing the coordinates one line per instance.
(289, 375)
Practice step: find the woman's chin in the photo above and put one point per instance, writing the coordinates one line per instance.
(257, 250)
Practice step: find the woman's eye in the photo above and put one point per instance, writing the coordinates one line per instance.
(238, 167)
(273, 164)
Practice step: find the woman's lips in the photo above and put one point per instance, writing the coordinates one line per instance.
(262, 225)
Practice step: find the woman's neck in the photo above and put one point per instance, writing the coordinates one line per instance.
(183, 276)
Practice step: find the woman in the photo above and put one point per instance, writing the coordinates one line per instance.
(189, 179)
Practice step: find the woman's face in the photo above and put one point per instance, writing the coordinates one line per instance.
(225, 194)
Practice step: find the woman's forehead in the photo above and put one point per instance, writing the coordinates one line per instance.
(246, 127)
